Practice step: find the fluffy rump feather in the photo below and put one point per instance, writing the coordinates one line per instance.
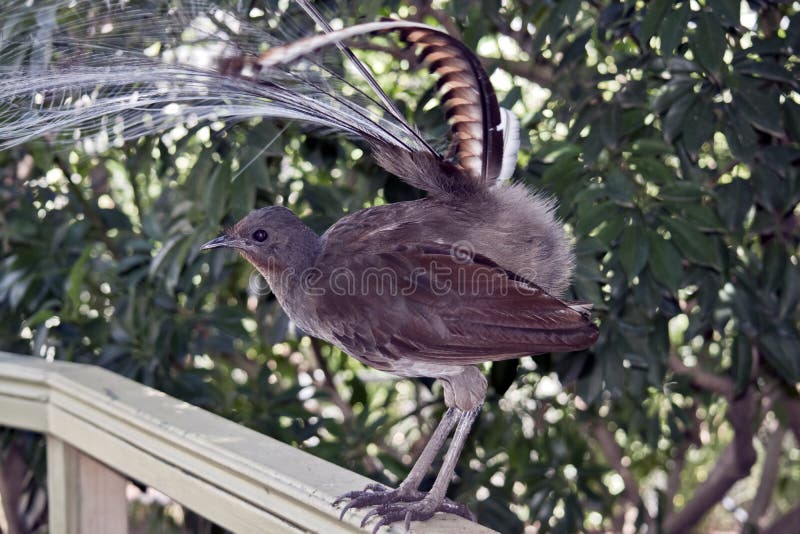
(537, 247)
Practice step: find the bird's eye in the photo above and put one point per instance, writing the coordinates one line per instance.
(260, 236)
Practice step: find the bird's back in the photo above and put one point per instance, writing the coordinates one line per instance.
(508, 224)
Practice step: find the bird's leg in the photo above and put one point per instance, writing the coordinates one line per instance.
(432, 448)
(375, 494)
(434, 501)
(463, 394)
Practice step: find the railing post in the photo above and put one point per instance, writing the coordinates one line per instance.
(83, 494)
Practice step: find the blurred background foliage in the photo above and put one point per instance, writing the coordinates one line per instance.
(669, 132)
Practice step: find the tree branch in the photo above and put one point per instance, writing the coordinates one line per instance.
(674, 477)
(12, 474)
(769, 475)
(691, 437)
(534, 71)
(613, 453)
(327, 384)
(786, 524)
(702, 379)
(734, 464)
(424, 8)
(792, 407)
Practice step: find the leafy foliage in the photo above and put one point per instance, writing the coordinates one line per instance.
(669, 132)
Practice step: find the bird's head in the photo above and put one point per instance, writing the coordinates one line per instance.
(272, 239)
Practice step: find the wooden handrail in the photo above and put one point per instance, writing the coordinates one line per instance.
(102, 428)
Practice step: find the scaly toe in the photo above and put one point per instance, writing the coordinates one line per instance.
(456, 508)
(407, 516)
(392, 505)
(376, 495)
(368, 489)
(420, 510)
(369, 515)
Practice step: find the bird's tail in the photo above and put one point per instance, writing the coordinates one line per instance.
(99, 73)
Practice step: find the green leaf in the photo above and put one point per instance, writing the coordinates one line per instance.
(740, 135)
(707, 43)
(653, 18)
(673, 27)
(770, 189)
(653, 170)
(734, 201)
(741, 362)
(216, 191)
(163, 254)
(780, 350)
(766, 70)
(670, 94)
(696, 246)
(664, 261)
(790, 291)
(591, 217)
(698, 124)
(609, 126)
(633, 250)
(761, 108)
(513, 96)
(703, 217)
(726, 11)
(611, 227)
(554, 21)
(76, 276)
(774, 264)
(651, 147)
(672, 124)
(676, 191)
(562, 173)
(618, 186)
(791, 116)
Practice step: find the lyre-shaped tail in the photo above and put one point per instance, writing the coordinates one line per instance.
(101, 74)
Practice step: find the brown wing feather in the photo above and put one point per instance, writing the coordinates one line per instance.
(447, 311)
(468, 99)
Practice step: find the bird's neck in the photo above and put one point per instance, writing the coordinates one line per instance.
(285, 270)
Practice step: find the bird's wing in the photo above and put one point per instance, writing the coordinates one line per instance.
(431, 303)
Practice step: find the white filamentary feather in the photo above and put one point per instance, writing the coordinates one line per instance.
(99, 73)
(91, 70)
(509, 124)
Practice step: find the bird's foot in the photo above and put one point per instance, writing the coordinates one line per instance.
(399, 505)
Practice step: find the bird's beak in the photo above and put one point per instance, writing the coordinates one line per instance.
(224, 241)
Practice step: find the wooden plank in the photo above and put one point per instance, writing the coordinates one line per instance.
(180, 484)
(22, 413)
(236, 477)
(83, 494)
(62, 487)
(208, 469)
(103, 503)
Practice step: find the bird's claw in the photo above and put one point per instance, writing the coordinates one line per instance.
(369, 488)
(361, 498)
(399, 505)
(408, 511)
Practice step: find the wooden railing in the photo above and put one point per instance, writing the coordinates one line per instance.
(102, 428)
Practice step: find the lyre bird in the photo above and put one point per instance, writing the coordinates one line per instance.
(477, 267)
